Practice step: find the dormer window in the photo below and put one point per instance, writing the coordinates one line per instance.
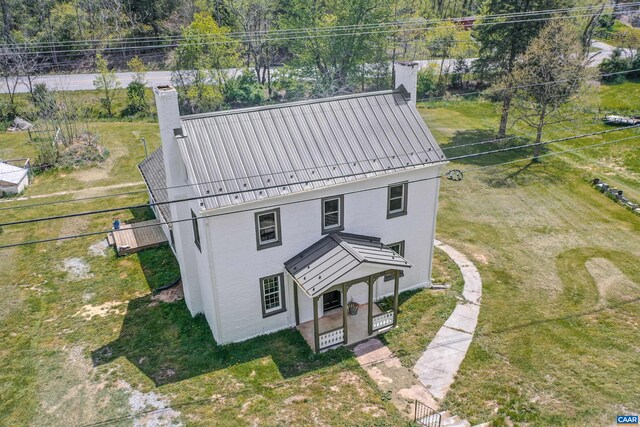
(332, 214)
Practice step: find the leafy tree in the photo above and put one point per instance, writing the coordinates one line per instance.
(427, 82)
(244, 90)
(255, 19)
(334, 62)
(137, 101)
(616, 63)
(202, 64)
(549, 75)
(501, 43)
(447, 40)
(107, 83)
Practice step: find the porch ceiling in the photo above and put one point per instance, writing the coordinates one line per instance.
(339, 258)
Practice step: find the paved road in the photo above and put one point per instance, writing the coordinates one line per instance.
(74, 82)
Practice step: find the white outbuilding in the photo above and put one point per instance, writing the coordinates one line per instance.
(13, 179)
(301, 214)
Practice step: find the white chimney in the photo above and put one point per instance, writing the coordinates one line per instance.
(407, 76)
(170, 127)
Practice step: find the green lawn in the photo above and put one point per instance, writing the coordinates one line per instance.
(557, 342)
(82, 339)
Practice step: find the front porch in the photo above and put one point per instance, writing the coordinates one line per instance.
(357, 325)
(326, 271)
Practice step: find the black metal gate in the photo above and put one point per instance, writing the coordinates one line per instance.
(426, 416)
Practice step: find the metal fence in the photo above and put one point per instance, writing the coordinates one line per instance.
(426, 416)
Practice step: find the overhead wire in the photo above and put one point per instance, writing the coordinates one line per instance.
(352, 175)
(81, 235)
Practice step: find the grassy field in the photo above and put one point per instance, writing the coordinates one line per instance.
(84, 341)
(557, 342)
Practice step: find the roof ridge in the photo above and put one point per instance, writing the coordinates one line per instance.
(286, 104)
(346, 246)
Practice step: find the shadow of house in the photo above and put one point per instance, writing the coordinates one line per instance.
(159, 266)
(165, 343)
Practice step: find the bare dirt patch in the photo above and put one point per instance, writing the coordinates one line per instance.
(153, 408)
(608, 277)
(175, 293)
(99, 248)
(76, 268)
(110, 307)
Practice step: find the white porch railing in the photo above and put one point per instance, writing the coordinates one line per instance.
(331, 338)
(383, 320)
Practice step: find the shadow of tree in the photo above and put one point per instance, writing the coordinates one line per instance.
(459, 146)
(168, 345)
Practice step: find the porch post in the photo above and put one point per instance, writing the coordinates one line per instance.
(344, 314)
(396, 286)
(370, 305)
(316, 332)
(295, 303)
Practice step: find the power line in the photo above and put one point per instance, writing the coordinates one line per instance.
(74, 236)
(439, 97)
(275, 32)
(228, 193)
(411, 26)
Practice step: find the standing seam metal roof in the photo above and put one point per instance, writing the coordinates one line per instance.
(326, 262)
(152, 170)
(287, 148)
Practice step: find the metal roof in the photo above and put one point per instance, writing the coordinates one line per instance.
(11, 174)
(299, 146)
(327, 262)
(152, 170)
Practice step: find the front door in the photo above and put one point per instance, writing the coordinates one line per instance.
(331, 300)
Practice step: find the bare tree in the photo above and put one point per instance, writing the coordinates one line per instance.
(17, 65)
(549, 75)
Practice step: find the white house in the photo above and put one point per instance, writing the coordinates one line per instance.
(13, 179)
(288, 212)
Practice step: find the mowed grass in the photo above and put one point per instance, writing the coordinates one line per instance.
(557, 341)
(92, 345)
(125, 152)
(556, 344)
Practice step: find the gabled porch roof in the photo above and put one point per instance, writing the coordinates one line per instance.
(339, 258)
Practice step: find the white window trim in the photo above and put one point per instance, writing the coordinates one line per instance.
(263, 244)
(281, 297)
(340, 225)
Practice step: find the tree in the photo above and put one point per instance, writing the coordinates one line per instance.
(202, 63)
(255, 18)
(106, 82)
(549, 75)
(136, 90)
(501, 43)
(334, 62)
(447, 40)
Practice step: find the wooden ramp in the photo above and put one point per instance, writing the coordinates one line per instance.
(132, 238)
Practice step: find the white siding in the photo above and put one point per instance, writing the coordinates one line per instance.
(239, 265)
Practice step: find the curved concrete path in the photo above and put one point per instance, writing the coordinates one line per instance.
(438, 365)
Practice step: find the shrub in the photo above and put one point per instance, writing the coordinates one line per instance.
(244, 90)
(427, 82)
(137, 101)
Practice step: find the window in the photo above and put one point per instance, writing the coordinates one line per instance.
(397, 200)
(399, 249)
(268, 229)
(172, 239)
(272, 291)
(196, 231)
(332, 214)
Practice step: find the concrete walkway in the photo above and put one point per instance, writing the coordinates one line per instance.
(439, 364)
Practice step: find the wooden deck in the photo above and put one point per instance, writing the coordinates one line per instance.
(132, 238)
